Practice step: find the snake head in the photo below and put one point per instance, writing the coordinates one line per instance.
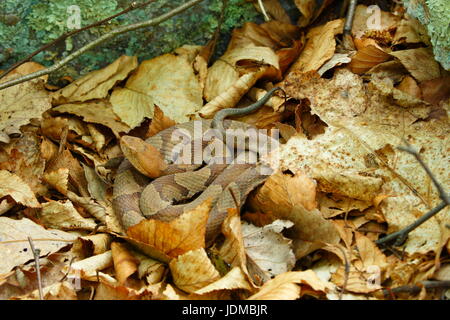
(143, 156)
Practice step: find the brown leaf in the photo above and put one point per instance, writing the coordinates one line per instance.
(193, 270)
(14, 247)
(159, 122)
(13, 186)
(419, 62)
(125, 264)
(96, 84)
(62, 215)
(165, 240)
(131, 107)
(409, 86)
(287, 286)
(369, 54)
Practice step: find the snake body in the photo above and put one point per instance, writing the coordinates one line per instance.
(136, 197)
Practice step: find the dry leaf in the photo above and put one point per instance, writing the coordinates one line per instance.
(170, 81)
(13, 186)
(268, 249)
(164, 240)
(20, 104)
(369, 54)
(419, 62)
(58, 179)
(57, 291)
(125, 264)
(14, 247)
(96, 84)
(287, 286)
(62, 215)
(319, 48)
(131, 107)
(145, 158)
(193, 270)
(234, 279)
(97, 111)
(159, 122)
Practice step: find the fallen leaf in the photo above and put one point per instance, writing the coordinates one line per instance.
(159, 122)
(62, 215)
(96, 84)
(234, 279)
(21, 103)
(125, 264)
(13, 186)
(193, 270)
(170, 81)
(369, 54)
(57, 291)
(419, 62)
(287, 286)
(165, 240)
(130, 106)
(14, 247)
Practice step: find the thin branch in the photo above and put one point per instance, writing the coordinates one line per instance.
(133, 6)
(36, 253)
(349, 17)
(400, 236)
(106, 36)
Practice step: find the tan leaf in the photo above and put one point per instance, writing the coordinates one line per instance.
(365, 21)
(410, 30)
(232, 250)
(13, 186)
(165, 240)
(58, 179)
(14, 247)
(419, 62)
(409, 86)
(97, 111)
(319, 48)
(20, 104)
(234, 279)
(63, 215)
(369, 253)
(29, 67)
(170, 81)
(283, 192)
(93, 264)
(268, 249)
(131, 107)
(96, 84)
(145, 158)
(107, 291)
(159, 122)
(287, 286)
(193, 270)
(57, 291)
(369, 54)
(125, 264)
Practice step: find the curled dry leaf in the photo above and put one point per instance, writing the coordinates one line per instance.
(14, 247)
(20, 104)
(13, 186)
(96, 84)
(62, 215)
(171, 82)
(131, 107)
(319, 48)
(165, 240)
(287, 286)
(409, 86)
(92, 245)
(108, 291)
(369, 54)
(159, 122)
(145, 158)
(193, 270)
(125, 264)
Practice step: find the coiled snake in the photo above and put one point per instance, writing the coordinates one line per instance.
(225, 179)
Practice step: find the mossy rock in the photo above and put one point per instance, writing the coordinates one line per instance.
(27, 25)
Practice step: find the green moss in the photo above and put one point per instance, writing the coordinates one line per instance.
(436, 19)
(29, 24)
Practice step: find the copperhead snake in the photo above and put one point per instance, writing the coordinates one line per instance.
(136, 197)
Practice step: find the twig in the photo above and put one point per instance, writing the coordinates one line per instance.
(36, 253)
(133, 6)
(349, 17)
(106, 36)
(263, 10)
(400, 236)
(415, 289)
(346, 273)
